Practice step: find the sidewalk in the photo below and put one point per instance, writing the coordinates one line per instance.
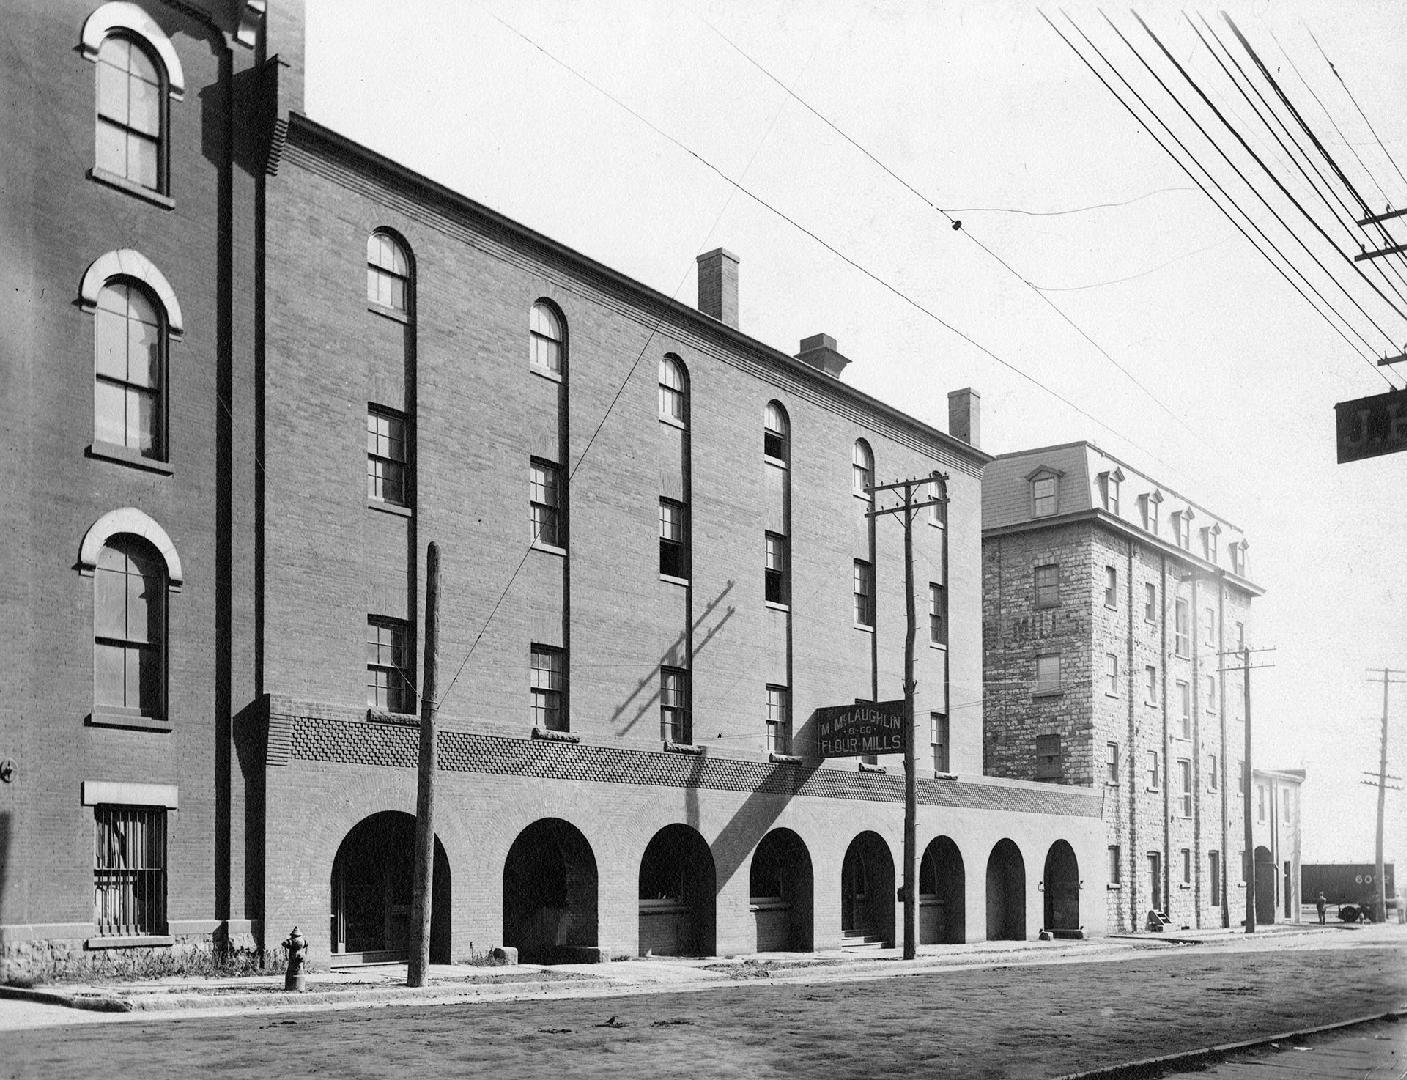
(384, 984)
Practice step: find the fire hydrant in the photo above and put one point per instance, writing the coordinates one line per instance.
(297, 946)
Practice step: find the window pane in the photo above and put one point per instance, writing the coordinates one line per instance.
(109, 413)
(138, 620)
(110, 151)
(109, 674)
(112, 83)
(143, 353)
(144, 103)
(141, 422)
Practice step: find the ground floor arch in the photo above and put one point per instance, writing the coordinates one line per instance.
(780, 893)
(550, 893)
(678, 890)
(1061, 889)
(867, 891)
(1265, 885)
(1006, 893)
(372, 881)
(942, 894)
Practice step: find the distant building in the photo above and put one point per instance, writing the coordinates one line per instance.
(1275, 828)
(1112, 606)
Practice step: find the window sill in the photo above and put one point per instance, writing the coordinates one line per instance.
(390, 508)
(381, 716)
(865, 629)
(121, 183)
(943, 774)
(546, 373)
(941, 646)
(682, 748)
(127, 718)
(784, 759)
(673, 422)
(552, 735)
(770, 460)
(125, 455)
(1047, 693)
(1154, 790)
(936, 524)
(1045, 607)
(550, 549)
(1111, 783)
(148, 940)
(672, 579)
(1184, 884)
(865, 766)
(1111, 607)
(388, 312)
(1114, 885)
(777, 605)
(1110, 694)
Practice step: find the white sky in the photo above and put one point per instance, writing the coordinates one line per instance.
(976, 106)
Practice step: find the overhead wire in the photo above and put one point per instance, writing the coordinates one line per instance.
(1386, 152)
(1186, 168)
(956, 224)
(1062, 213)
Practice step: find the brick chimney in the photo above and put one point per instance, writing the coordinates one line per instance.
(964, 409)
(718, 286)
(819, 351)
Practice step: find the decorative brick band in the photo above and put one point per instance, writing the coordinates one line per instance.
(348, 742)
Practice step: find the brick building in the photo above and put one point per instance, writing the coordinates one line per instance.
(307, 363)
(1110, 604)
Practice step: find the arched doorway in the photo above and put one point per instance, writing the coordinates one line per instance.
(1006, 893)
(942, 894)
(1062, 889)
(372, 880)
(867, 892)
(549, 893)
(780, 893)
(677, 893)
(1265, 885)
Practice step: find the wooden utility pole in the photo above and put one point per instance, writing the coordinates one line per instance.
(907, 509)
(423, 887)
(1247, 771)
(1379, 876)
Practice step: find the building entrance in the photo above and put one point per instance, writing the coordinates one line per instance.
(372, 878)
(942, 901)
(867, 891)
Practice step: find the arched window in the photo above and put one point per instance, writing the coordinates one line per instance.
(387, 272)
(776, 434)
(862, 469)
(673, 392)
(129, 364)
(129, 629)
(138, 72)
(545, 333)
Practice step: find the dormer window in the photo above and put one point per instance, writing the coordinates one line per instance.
(1152, 504)
(1110, 484)
(1045, 492)
(1238, 557)
(1182, 528)
(1210, 537)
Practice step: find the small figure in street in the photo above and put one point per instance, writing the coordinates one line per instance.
(1319, 906)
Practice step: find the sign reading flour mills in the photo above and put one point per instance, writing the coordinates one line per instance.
(866, 727)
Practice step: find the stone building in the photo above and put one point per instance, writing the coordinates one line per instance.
(1111, 606)
(257, 368)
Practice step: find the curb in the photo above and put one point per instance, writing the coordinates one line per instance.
(1207, 1055)
(91, 1002)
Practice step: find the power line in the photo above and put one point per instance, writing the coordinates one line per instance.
(1386, 152)
(956, 224)
(1130, 277)
(1062, 213)
(1281, 270)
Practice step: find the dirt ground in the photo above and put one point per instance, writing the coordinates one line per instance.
(1030, 1021)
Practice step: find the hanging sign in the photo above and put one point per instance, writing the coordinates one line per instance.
(866, 727)
(1371, 426)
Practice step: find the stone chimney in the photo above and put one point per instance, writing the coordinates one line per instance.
(964, 408)
(819, 351)
(718, 286)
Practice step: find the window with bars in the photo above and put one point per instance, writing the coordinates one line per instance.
(388, 665)
(673, 401)
(547, 686)
(386, 472)
(545, 503)
(1182, 629)
(387, 272)
(129, 871)
(129, 629)
(129, 333)
(937, 614)
(674, 539)
(777, 572)
(1048, 757)
(1047, 674)
(1184, 787)
(775, 434)
(130, 137)
(1047, 585)
(674, 705)
(778, 719)
(862, 469)
(938, 738)
(864, 593)
(545, 339)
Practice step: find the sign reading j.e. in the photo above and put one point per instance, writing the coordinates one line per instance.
(1371, 426)
(867, 727)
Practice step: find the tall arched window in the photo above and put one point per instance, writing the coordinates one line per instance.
(776, 434)
(673, 392)
(545, 334)
(129, 629)
(862, 469)
(129, 369)
(387, 272)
